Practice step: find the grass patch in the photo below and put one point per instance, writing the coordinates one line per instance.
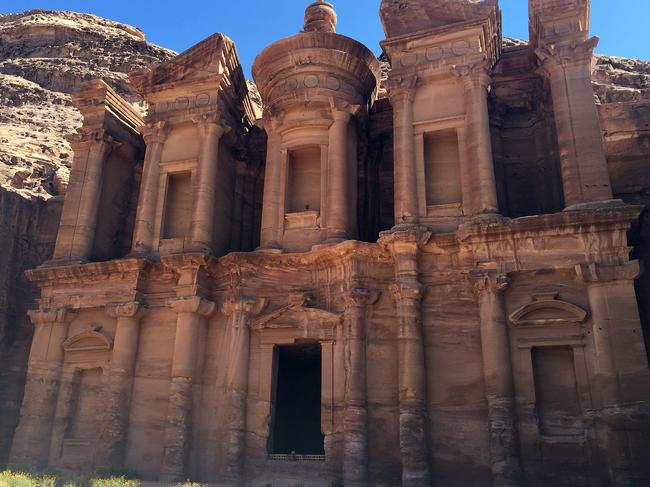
(98, 479)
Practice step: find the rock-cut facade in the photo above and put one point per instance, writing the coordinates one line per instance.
(405, 271)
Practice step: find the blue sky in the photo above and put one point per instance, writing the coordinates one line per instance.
(622, 25)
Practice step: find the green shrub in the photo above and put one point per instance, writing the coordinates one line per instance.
(20, 479)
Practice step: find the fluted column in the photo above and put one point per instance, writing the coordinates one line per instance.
(408, 293)
(143, 235)
(178, 427)
(355, 459)
(478, 138)
(120, 388)
(240, 309)
(402, 93)
(338, 197)
(498, 379)
(585, 175)
(271, 233)
(202, 225)
(31, 444)
(76, 235)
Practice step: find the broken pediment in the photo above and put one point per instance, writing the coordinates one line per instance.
(546, 309)
(402, 17)
(94, 339)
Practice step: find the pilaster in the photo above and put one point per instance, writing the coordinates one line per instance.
(155, 136)
(240, 310)
(355, 455)
(338, 199)
(120, 387)
(31, 444)
(497, 372)
(401, 92)
(178, 428)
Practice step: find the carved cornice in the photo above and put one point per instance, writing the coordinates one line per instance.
(600, 273)
(488, 282)
(123, 310)
(194, 305)
(47, 316)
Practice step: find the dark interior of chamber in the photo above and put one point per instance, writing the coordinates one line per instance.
(297, 406)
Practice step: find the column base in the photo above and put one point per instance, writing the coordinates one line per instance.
(271, 248)
(64, 262)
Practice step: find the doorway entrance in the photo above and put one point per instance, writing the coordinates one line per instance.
(297, 413)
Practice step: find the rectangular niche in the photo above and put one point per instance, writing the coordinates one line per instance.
(87, 411)
(178, 205)
(304, 180)
(556, 391)
(442, 168)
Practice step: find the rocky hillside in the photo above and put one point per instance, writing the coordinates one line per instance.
(44, 56)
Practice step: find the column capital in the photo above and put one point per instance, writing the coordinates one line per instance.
(246, 305)
(400, 88)
(600, 273)
(212, 124)
(488, 282)
(405, 235)
(47, 316)
(123, 310)
(552, 56)
(155, 133)
(361, 297)
(473, 75)
(193, 304)
(406, 290)
(93, 136)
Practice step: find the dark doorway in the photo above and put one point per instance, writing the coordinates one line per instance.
(297, 418)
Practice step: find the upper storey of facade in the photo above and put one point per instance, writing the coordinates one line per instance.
(323, 162)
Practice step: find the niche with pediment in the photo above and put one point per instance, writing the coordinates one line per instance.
(93, 346)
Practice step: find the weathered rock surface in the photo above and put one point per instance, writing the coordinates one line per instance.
(44, 56)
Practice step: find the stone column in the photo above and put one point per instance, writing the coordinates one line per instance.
(355, 459)
(270, 233)
(498, 378)
(178, 427)
(478, 138)
(402, 93)
(240, 309)
(338, 198)
(202, 225)
(120, 389)
(621, 380)
(143, 235)
(408, 293)
(584, 167)
(76, 235)
(31, 444)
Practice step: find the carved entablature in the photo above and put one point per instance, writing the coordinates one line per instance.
(547, 310)
(558, 21)
(297, 321)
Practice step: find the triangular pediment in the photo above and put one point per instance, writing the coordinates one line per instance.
(296, 316)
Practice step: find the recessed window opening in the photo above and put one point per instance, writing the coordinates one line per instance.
(303, 188)
(178, 205)
(442, 167)
(296, 426)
